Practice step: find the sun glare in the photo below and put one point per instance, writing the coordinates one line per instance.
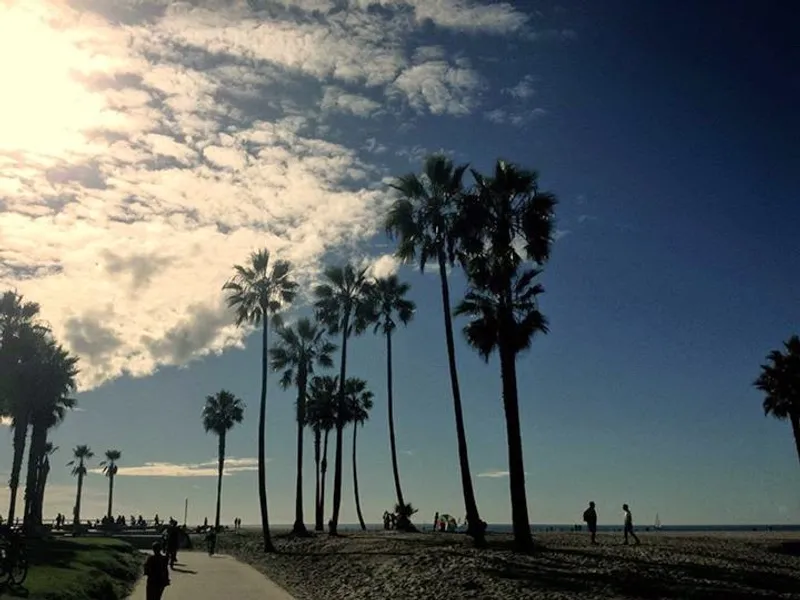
(43, 108)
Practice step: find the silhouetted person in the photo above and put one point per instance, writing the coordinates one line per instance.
(172, 543)
(436, 522)
(205, 522)
(629, 525)
(590, 518)
(157, 573)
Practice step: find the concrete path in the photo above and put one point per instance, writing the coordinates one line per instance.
(199, 576)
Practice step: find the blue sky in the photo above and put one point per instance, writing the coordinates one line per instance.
(163, 144)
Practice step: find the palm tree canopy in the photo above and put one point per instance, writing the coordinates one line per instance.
(110, 463)
(51, 380)
(425, 212)
(80, 454)
(485, 305)
(321, 402)
(358, 401)
(298, 349)
(780, 381)
(391, 304)
(260, 288)
(222, 411)
(346, 296)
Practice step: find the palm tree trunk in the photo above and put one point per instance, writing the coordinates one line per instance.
(42, 479)
(262, 431)
(38, 438)
(355, 480)
(523, 541)
(795, 421)
(76, 518)
(318, 525)
(110, 493)
(324, 476)
(474, 527)
(220, 469)
(299, 526)
(20, 434)
(392, 443)
(337, 473)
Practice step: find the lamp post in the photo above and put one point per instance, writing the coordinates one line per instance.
(185, 511)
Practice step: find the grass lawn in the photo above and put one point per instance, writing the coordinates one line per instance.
(79, 569)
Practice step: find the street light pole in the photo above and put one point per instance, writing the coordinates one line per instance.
(185, 511)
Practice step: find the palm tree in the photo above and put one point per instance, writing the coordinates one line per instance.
(424, 217)
(110, 470)
(780, 381)
(299, 349)
(41, 478)
(321, 417)
(258, 293)
(80, 455)
(221, 412)
(505, 211)
(358, 405)
(393, 307)
(345, 305)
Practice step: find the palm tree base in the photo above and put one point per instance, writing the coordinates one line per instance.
(299, 530)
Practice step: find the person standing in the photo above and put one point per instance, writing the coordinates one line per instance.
(172, 543)
(629, 525)
(590, 518)
(157, 573)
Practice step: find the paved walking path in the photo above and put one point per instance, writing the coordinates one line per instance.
(199, 576)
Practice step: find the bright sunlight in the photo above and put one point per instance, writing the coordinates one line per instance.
(44, 110)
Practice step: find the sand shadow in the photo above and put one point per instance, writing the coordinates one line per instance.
(187, 571)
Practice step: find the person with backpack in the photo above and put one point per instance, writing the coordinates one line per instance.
(157, 573)
(590, 518)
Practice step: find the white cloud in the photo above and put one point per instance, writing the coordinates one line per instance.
(493, 474)
(518, 118)
(205, 469)
(5, 421)
(384, 266)
(439, 87)
(336, 99)
(522, 90)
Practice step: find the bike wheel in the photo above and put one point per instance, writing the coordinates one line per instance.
(19, 570)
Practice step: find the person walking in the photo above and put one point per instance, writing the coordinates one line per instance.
(629, 525)
(172, 543)
(590, 518)
(157, 573)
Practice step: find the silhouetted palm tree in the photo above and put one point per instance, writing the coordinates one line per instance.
(80, 455)
(345, 305)
(425, 219)
(41, 479)
(358, 404)
(321, 417)
(258, 292)
(780, 381)
(110, 470)
(221, 412)
(296, 353)
(393, 308)
(507, 211)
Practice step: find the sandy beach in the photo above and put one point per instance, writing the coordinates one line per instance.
(395, 566)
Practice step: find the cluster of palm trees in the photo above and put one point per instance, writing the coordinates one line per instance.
(499, 230)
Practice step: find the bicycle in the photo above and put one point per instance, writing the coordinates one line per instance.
(13, 557)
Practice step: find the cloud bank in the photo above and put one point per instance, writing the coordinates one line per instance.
(205, 469)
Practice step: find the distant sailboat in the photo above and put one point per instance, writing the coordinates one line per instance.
(658, 523)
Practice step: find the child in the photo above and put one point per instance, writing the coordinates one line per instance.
(157, 572)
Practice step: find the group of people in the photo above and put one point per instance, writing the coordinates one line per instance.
(590, 518)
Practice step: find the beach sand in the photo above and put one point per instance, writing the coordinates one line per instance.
(435, 566)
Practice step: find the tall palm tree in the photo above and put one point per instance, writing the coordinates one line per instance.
(507, 211)
(358, 405)
(41, 479)
(80, 454)
(20, 344)
(321, 417)
(393, 308)
(345, 304)
(258, 292)
(425, 219)
(110, 470)
(221, 412)
(298, 351)
(780, 381)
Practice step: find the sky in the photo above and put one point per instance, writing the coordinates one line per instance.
(147, 146)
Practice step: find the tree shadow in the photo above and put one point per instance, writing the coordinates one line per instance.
(14, 591)
(187, 571)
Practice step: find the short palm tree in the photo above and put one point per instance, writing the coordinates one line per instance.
(80, 455)
(321, 417)
(780, 381)
(110, 469)
(506, 210)
(345, 304)
(41, 479)
(425, 219)
(221, 412)
(393, 308)
(299, 349)
(258, 292)
(358, 405)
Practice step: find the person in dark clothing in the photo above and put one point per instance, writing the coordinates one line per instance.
(626, 512)
(590, 518)
(172, 543)
(157, 573)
